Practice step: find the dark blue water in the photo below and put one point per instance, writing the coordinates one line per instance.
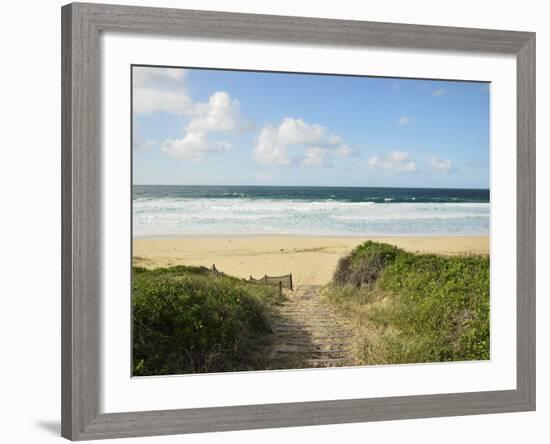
(340, 194)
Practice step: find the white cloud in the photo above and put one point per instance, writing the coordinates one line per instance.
(164, 90)
(298, 132)
(320, 145)
(150, 100)
(268, 150)
(146, 76)
(220, 113)
(160, 90)
(439, 92)
(394, 161)
(317, 157)
(193, 146)
(404, 120)
(438, 165)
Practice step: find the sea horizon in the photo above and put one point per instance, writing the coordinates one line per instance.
(306, 186)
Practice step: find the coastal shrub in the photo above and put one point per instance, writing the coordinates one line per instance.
(187, 320)
(420, 308)
(442, 301)
(364, 264)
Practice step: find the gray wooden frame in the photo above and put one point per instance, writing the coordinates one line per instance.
(81, 167)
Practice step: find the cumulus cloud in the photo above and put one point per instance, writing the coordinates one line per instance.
(394, 161)
(404, 120)
(150, 100)
(221, 114)
(296, 131)
(144, 76)
(164, 90)
(317, 157)
(269, 150)
(317, 144)
(160, 90)
(193, 146)
(438, 165)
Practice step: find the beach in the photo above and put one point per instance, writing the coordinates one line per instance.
(310, 259)
(276, 230)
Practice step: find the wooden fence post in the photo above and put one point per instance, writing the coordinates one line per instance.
(291, 281)
(280, 289)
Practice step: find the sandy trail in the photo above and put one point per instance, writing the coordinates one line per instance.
(310, 334)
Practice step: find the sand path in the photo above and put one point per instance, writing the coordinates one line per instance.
(308, 333)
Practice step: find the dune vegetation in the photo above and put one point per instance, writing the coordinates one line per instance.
(401, 307)
(411, 308)
(191, 320)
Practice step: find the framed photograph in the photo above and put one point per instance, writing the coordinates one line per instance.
(278, 221)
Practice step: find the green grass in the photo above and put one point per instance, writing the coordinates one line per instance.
(188, 320)
(412, 308)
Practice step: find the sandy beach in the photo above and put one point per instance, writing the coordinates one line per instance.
(311, 260)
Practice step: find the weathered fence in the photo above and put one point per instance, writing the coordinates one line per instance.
(285, 281)
(216, 271)
(282, 281)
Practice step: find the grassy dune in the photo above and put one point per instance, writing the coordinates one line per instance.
(189, 320)
(411, 308)
(403, 307)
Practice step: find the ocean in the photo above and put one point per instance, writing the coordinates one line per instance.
(162, 210)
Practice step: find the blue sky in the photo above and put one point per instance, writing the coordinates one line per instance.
(202, 127)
